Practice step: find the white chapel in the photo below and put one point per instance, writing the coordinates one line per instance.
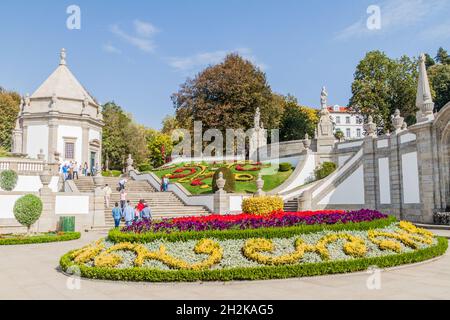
(60, 122)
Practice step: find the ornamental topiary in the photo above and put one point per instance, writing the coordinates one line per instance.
(285, 166)
(324, 170)
(262, 205)
(8, 180)
(28, 210)
(230, 183)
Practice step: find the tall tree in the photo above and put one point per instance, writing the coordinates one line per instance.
(169, 123)
(297, 120)
(440, 82)
(158, 143)
(442, 56)
(121, 136)
(9, 110)
(382, 85)
(226, 95)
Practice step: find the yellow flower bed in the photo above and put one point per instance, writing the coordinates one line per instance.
(260, 251)
(262, 205)
(108, 259)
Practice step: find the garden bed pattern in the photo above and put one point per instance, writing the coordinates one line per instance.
(238, 256)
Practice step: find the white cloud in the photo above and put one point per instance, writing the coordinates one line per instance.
(111, 49)
(143, 39)
(144, 29)
(192, 63)
(395, 14)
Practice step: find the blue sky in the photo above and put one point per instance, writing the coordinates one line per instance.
(137, 53)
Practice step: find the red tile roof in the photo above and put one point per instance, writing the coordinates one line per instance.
(341, 109)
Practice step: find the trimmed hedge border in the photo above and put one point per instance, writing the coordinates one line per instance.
(259, 273)
(116, 236)
(68, 236)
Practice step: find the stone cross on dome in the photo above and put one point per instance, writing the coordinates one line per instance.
(63, 56)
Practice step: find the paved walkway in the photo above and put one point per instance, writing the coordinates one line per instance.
(30, 272)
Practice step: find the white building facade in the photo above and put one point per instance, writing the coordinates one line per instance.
(60, 121)
(350, 124)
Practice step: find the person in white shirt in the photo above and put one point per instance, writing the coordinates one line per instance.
(107, 194)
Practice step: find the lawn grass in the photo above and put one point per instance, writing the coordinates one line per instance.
(271, 176)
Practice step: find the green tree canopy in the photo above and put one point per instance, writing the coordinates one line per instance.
(158, 142)
(382, 85)
(9, 109)
(121, 136)
(442, 56)
(439, 75)
(226, 95)
(297, 120)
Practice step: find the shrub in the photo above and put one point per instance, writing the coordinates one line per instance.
(262, 205)
(339, 134)
(230, 184)
(324, 170)
(28, 210)
(145, 167)
(44, 238)
(285, 166)
(112, 173)
(8, 180)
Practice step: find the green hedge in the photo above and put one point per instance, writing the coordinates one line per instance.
(117, 236)
(324, 170)
(257, 273)
(112, 173)
(68, 236)
(8, 180)
(285, 166)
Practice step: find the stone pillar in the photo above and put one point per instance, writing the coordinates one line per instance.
(370, 173)
(427, 169)
(52, 140)
(48, 220)
(98, 218)
(24, 139)
(395, 171)
(85, 145)
(221, 199)
(305, 201)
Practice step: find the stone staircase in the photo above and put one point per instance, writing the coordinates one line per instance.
(162, 204)
(291, 205)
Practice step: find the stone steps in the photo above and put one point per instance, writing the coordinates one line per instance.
(162, 204)
(291, 206)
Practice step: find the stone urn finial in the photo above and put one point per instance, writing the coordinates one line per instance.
(397, 121)
(259, 186)
(220, 182)
(370, 127)
(130, 163)
(41, 155)
(46, 177)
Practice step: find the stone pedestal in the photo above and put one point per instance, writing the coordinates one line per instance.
(305, 201)
(221, 202)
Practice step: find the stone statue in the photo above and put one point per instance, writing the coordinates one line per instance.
(54, 101)
(27, 100)
(370, 127)
(63, 56)
(257, 118)
(130, 163)
(397, 120)
(323, 98)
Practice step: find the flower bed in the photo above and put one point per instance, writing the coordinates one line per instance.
(40, 238)
(248, 221)
(240, 258)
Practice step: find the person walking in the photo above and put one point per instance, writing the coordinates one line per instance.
(65, 171)
(146, 213)
(117, 215)
(165, 183)
(75, 170)
(71, 170)
(123, 198)
(107, 194)
(85, 169)
(122, 184)
(128, 214)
